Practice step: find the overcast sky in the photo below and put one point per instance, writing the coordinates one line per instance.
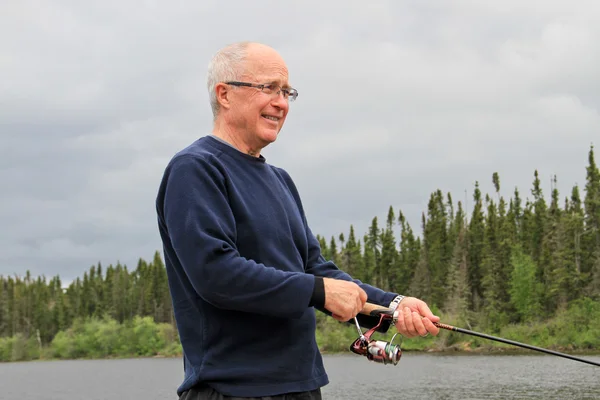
(396, 100)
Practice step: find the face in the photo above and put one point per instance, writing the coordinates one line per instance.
(256, 116)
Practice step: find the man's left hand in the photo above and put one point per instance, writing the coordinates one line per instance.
(415, 318)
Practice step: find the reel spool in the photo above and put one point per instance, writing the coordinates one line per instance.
(376, 350)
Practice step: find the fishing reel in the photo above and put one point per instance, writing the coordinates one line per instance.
(376, 350)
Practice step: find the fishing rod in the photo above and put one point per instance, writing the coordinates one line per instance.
(526, 346)
(390, 353)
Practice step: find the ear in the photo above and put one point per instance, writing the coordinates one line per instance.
(222, 93)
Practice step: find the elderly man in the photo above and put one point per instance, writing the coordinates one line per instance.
(245, 271)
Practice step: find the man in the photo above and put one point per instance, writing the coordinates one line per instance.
(245, 271)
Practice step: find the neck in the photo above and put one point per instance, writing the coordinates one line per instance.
(229, 135)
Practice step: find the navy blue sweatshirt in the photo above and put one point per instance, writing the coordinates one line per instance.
(244, 272)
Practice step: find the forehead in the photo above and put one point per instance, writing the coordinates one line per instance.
(267, 67)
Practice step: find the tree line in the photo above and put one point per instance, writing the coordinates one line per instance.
(41, 308)
(509, 261)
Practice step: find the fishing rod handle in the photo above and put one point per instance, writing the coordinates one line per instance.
(373, 310)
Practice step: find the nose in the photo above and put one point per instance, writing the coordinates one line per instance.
(279, 101)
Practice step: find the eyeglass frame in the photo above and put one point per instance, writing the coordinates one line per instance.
(290, 94)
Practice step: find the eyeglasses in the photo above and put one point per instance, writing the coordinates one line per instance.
(269, 88)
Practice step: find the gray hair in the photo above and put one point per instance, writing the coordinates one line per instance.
(226, 65)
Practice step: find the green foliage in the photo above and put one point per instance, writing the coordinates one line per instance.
(575, 328)
(524, 288)
(36, 306)
(333, 336)
(19, 348)
(98, 338)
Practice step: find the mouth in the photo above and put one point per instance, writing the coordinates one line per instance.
(271, 118)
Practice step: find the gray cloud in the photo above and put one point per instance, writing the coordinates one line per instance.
(396, 101)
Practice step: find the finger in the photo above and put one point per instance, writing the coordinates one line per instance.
(363, 298)
(408, 321)
(418, 324)
(359, 303)
(348, 312)
(340, 318)
(431, 328)
(400, 324)
(426, 312)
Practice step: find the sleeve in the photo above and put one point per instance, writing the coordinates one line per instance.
(318, 266)
(202, 231)
(321, 268)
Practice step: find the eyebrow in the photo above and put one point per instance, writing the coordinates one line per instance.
(275, 82)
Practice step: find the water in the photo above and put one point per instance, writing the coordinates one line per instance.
(434, 376)
(417, 376)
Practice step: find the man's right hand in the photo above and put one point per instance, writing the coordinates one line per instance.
(344, 299)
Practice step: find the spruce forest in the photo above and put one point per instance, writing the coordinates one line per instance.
(511, 262)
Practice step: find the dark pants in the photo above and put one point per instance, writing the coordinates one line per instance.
(207, 393)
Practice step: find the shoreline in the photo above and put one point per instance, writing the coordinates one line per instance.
(451, 350)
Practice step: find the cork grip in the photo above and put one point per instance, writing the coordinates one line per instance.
(375, 310)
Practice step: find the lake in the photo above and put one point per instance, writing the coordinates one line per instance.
(417, 376)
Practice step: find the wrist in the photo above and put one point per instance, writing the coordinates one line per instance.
(396, 302)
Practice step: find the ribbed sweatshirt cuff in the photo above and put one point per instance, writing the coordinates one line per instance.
(318, 296)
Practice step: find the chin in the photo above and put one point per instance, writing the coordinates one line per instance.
(269, 136)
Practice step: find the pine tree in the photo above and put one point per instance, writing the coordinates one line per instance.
(4, 310)
(408, 256)
(492, 269)
(99, 291)
(107, 292)
(540, 217)
(553, 259)
(59, 315)
(121, 293)
(324, 248)
(458, 303)
(452, 229)
(334, 254)
(162, 297)
(573, 231)
(506, 241)
(515, 218)
(421, 284)
(476, 238)
(12, 328)
(353, 260)
(435, 239)
(593, 288)
(591, 237)
(388, 252)
(373, 243)
(369, 260)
